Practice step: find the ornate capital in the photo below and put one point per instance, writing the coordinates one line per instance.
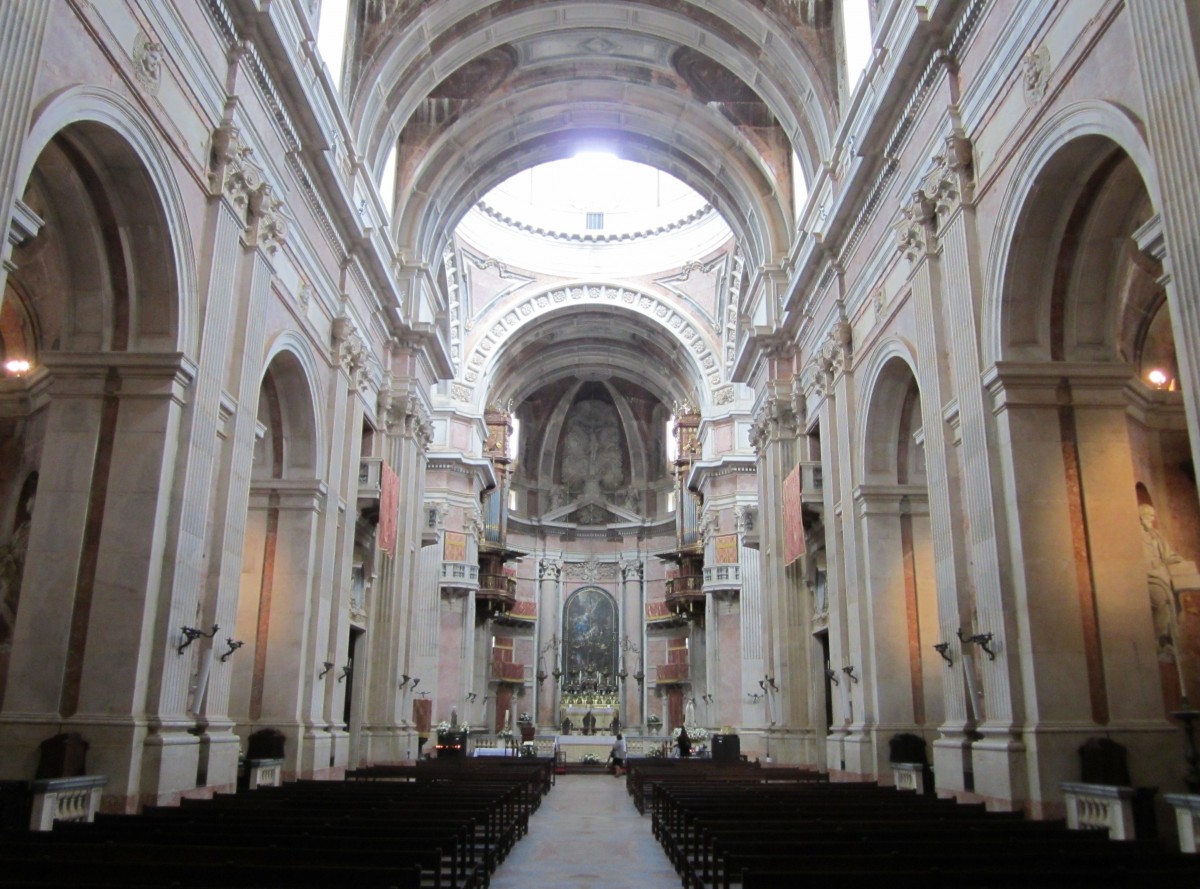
(914, 236)
(745, 518)
(266, 226)
(231, 172)
(550, 569)
(631, 569)
(950, 179)
(349, 351)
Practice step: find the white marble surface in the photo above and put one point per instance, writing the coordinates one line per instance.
(587, 834)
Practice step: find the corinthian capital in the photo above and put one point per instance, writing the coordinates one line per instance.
(550, 569)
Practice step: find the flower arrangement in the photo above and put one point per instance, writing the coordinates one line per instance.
(653, 719)
(525, 718)
(444, 726)
(590, 759)
(694, 732)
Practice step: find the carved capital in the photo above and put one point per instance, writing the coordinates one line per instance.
(631, 569)
(550, 569)
(266, 226)
(914, 235)
(231, 171)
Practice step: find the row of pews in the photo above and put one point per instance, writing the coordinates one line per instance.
(435, 827)
(726, 829)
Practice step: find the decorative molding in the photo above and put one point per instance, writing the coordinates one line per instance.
(1035, 74)
(591, 571)
(147, 62)
(579, 237)
(531, 308)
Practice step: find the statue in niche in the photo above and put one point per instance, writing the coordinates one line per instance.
(1165, 568)
(592, 456)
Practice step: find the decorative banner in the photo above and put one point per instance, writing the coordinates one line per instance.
(454, 547)
(389, 507)
(793, 522)
(422, 715)
(727, 549)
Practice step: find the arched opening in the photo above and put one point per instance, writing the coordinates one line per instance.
(893, 508)
(271, 688)
(91, 305)
(1084, 306)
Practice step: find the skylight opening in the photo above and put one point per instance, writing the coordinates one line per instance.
(331, 37)
(856, 27)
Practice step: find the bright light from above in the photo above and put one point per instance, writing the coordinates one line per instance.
(1157, 378)
(557, 195)
(17, 366)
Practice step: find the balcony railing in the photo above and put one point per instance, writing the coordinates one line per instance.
(499, 589)
(370, 470)
(672, 673)
(460, 577)
(811, 482)
(503, 671)
(722, 578)
(685, 590)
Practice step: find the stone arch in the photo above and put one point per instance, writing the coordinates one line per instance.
(292, 379)
(905, 686)
(700, 358)
(1046, 173)
(889, 375)
(113, 135)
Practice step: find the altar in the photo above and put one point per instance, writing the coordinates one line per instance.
(604, 715)
(573, 747)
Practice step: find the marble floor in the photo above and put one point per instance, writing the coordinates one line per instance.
(587, 834)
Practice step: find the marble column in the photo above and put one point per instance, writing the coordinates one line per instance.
(549, 623)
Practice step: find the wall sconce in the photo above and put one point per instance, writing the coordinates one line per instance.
(770, 680)
(328, 665)
(17, 367)
(849, 671)
(708, 699)
(623, 674)
(191, 634)
(831, 675)
(471, 696)
(346, 671)
(640, 677)
(763, 685)
(406, 679)
(754, 696)
(233, 646)
(983, 640)
(942, 648)
(413, 687)
(556, 673)
(541, 674)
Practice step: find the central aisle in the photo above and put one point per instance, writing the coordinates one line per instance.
(587, 834)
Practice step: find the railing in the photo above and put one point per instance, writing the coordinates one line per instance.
(505, 671)
(65, 799)
(499, 589)
(722, 577)
(672, 673)
(685, 590)
(370, 470)
(812, 482)
(1101, 807)
(462, 576)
